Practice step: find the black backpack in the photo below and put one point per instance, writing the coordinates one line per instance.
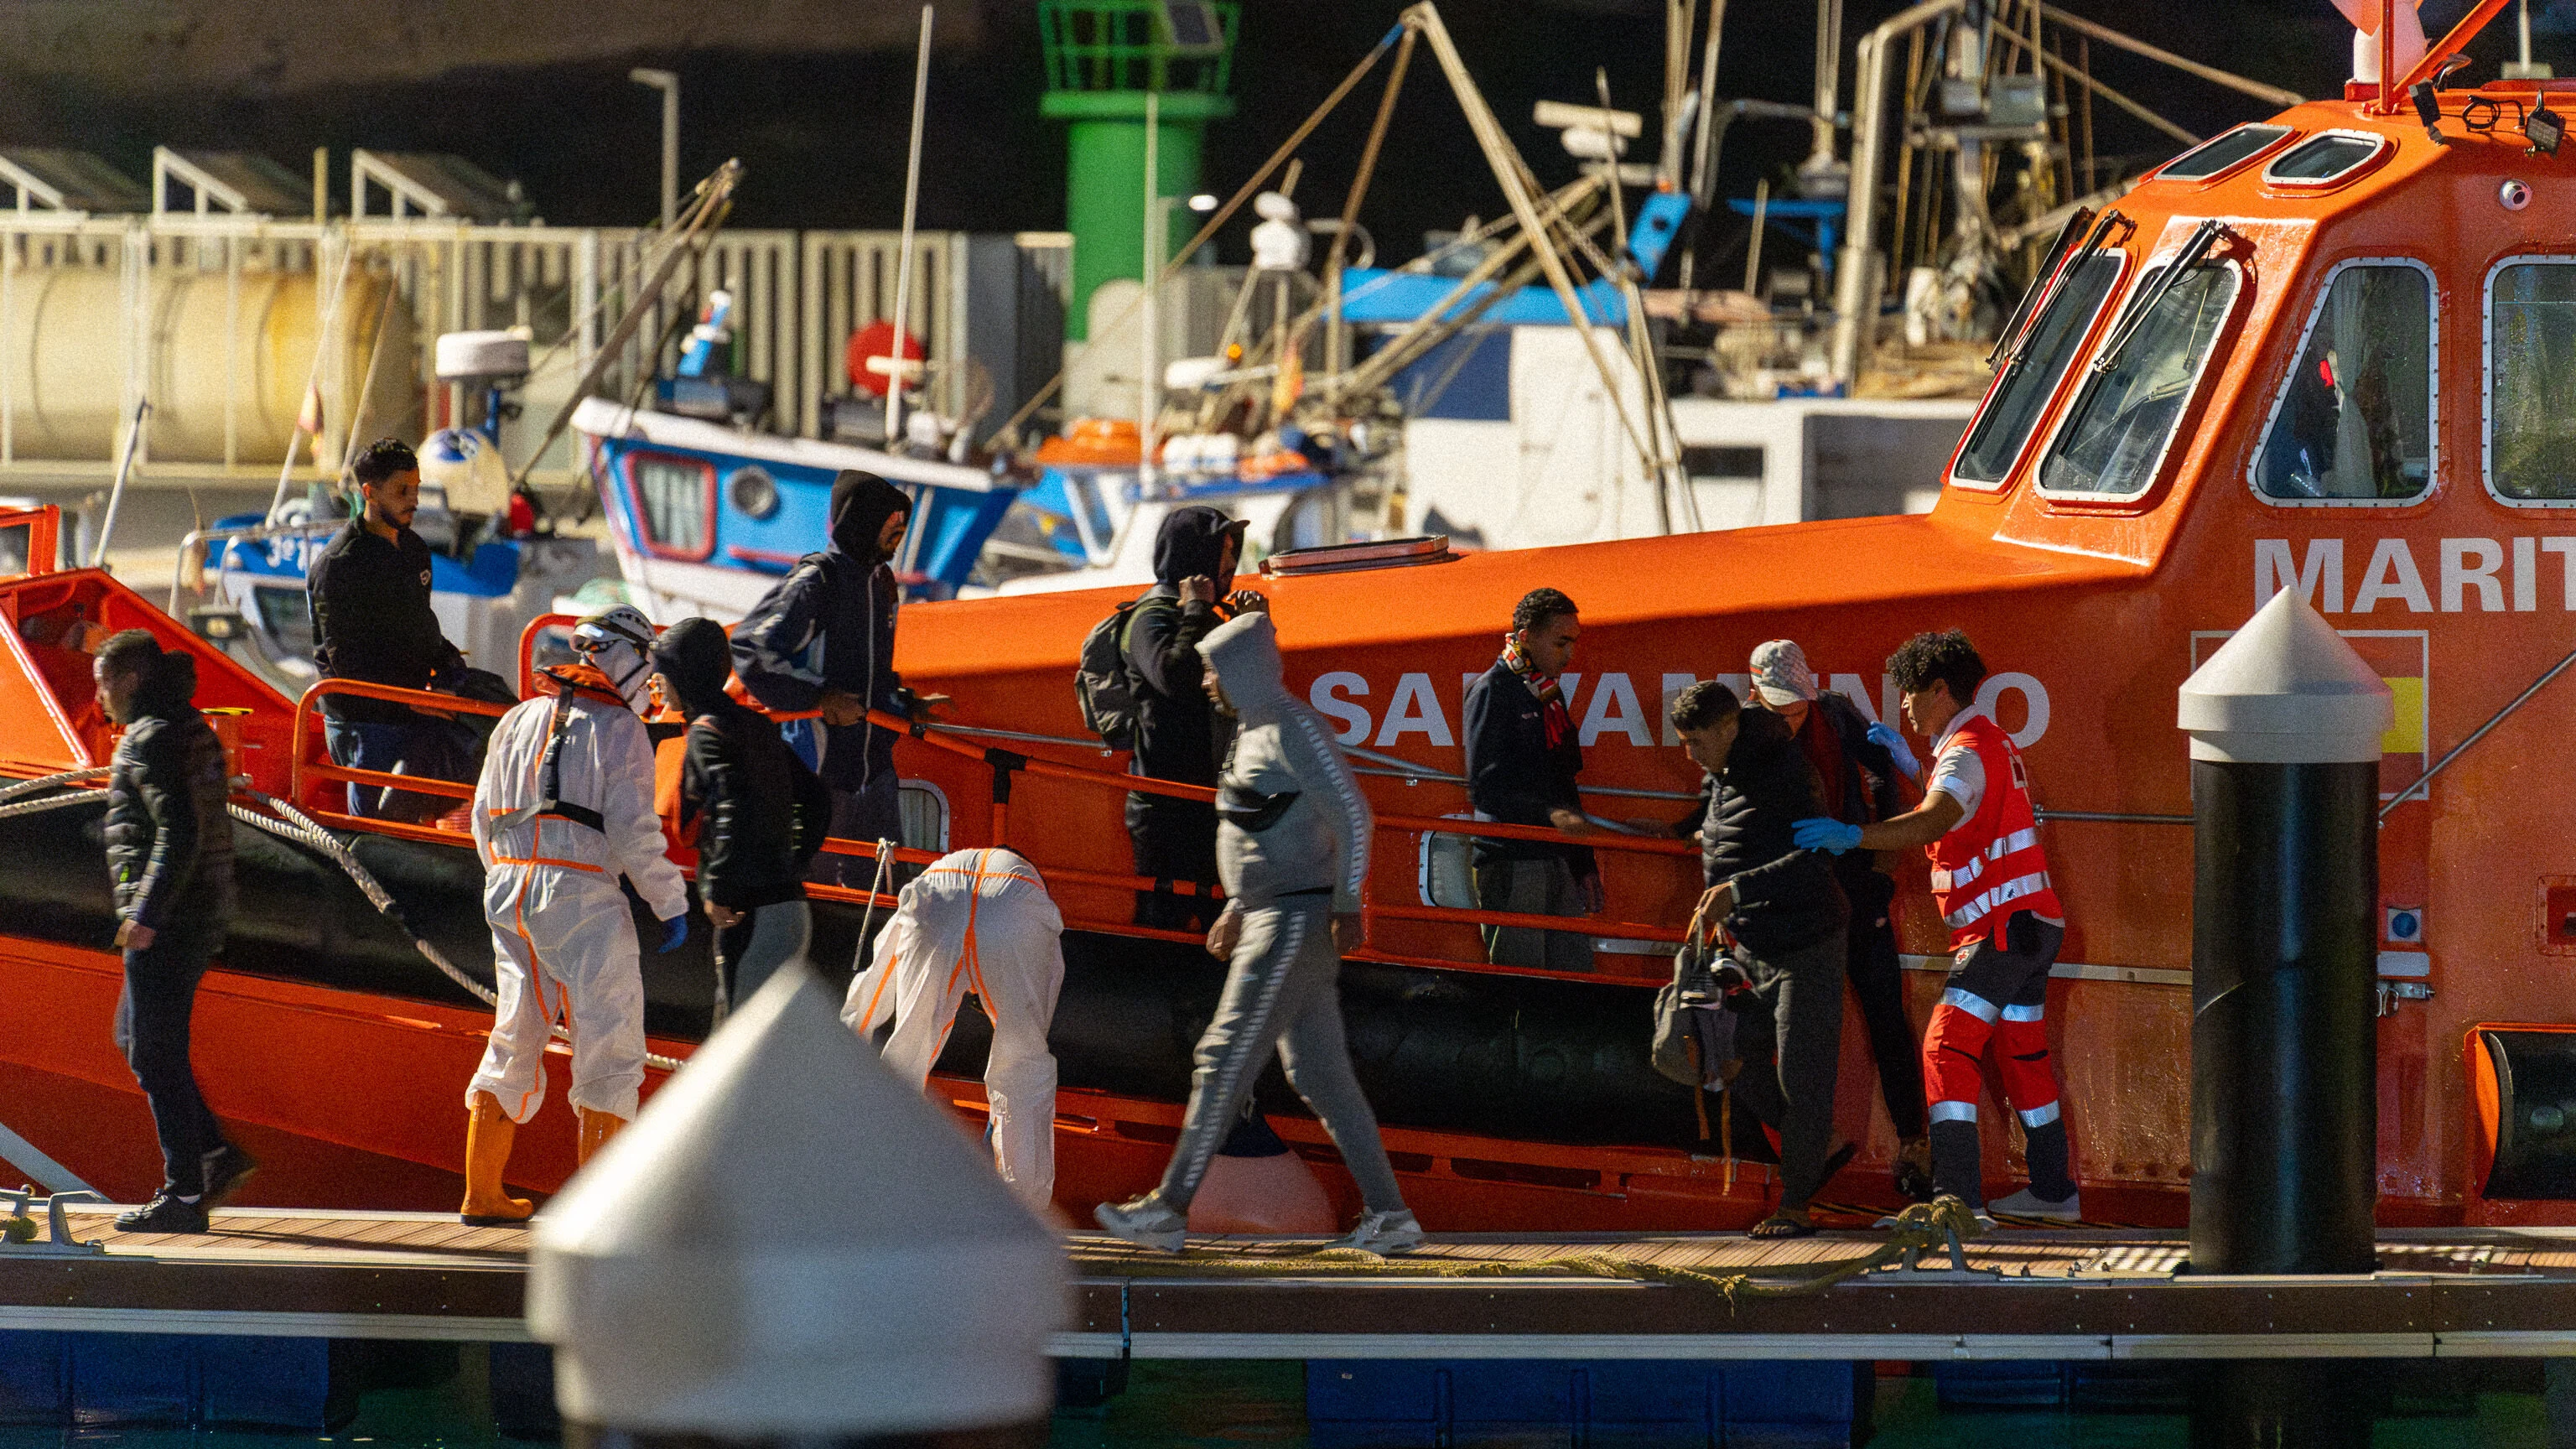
(1101, 682)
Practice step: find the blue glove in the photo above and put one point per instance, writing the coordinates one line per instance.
(675, 934)
(1885, 736)
(1822, 833)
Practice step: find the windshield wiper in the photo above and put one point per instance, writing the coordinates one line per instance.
(2044, 284)
(2194, 250)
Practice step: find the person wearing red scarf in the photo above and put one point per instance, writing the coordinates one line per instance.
(1522, 760)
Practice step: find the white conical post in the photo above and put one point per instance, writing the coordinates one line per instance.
(788, 1242)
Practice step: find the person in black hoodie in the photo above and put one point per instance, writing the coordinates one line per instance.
(823, 639)
(1857, 763)
(1787, 916)
(1180, 736)
(759, 814)
(170, 852)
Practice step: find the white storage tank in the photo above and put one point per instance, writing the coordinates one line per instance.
(62, 366)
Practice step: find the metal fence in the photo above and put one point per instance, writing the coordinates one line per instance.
(101, 314)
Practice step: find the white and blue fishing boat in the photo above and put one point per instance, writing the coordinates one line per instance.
(706, 517)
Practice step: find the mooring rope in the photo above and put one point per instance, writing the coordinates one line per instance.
(1922, 1227)
(297, 826)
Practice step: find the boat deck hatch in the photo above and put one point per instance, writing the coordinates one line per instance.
(1382, 553)
(2222, 153)
(2325, 159)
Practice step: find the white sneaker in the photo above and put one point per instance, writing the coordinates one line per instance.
(1385, 1234)
(1147, 1222)
(2027, 1204)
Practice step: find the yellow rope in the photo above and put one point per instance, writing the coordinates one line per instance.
(1924, 1225)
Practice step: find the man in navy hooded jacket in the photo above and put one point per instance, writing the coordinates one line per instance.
(823, 639)
(1179, 734)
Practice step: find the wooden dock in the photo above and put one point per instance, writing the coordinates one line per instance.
(2032, 1294)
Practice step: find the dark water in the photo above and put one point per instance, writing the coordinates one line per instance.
(1230, 1404)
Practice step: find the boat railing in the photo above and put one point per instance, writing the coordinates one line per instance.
(974, 743)
(308, 768)
(1008, 763)
(304, 767)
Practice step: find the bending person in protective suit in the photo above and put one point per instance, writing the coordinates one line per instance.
(979, 921)
(564, 808)
(1292, 850)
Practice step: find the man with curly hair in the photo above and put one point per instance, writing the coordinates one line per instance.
(1990, 879)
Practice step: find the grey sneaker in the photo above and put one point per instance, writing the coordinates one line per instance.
(1385, 1234)
(1146, 1221)
(2027, 1204)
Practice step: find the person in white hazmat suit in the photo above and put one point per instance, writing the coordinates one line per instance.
(979, 921)
(564, 808)
(1292, 851)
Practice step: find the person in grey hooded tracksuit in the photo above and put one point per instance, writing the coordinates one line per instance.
(1292, 852)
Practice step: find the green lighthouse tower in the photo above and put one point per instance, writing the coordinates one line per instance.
(1103, 58)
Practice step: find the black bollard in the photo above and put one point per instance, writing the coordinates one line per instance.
(2286, 722)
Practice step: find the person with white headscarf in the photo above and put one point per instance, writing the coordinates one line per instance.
(564, 808)
(977, 921)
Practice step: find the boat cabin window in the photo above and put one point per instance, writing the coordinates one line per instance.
(17, 541)
(2122, 420)
(2324, 160)
(2354, 421)
(2531, 381)
(1996, 440)
(753, 491)
(675, 500)
(2221, 153)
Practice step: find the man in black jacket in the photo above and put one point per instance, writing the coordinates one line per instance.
(822, 639)
(1787, 916)
(1522, 760)
(369, 592)
(170, 852)
(759, 813)
(1179, 735)
(1857, 773)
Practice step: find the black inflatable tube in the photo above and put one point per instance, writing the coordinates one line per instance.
(1454, 1051)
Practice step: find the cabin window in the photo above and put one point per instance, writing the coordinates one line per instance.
(925, 816)
(2029, 381)
(2531, 380)
(754, 492)
(2355, 418)
(2114, 438)
(2222, 153)
(2325, 160)
(675, 502)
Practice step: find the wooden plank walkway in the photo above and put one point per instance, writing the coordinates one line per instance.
(2030, 1294)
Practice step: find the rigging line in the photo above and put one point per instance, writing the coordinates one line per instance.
(1218, 219)
(2519, 700)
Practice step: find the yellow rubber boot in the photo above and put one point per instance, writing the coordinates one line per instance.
(596, 1129)
(488, 1135)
